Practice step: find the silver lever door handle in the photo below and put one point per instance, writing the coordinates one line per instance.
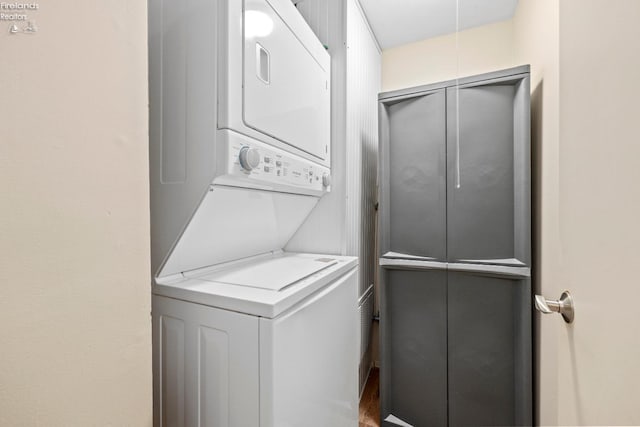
(564, 306)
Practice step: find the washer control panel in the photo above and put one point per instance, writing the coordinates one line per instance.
(270, 165)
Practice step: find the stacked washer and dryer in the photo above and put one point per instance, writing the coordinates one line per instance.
(244, 333)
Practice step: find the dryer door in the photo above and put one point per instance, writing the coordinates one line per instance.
(286, 77)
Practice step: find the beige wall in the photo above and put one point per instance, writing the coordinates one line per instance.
(481, 49)
(75, 325)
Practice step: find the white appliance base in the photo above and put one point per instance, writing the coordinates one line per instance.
(217, 367)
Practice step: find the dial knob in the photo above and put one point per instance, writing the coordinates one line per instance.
(249, 158)
(326, 180)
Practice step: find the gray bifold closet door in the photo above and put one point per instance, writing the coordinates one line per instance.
(415, 346)
(417, 192)
(489, 349)
(488, 173)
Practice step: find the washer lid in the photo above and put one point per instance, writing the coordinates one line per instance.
(272, 274)
(257, 293)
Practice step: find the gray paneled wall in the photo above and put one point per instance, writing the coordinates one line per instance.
(363, 84)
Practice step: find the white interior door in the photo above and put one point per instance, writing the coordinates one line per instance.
(590, 369)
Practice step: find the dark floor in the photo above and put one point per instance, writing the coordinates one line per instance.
(370, 402)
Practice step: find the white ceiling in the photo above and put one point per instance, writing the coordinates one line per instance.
(396, 22)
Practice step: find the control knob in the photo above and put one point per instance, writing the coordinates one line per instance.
(249, 158)
(326, 180)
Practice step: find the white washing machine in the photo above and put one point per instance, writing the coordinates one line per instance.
(270, 341)
(244, 334)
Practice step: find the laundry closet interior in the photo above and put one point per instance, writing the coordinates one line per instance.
(319, 213)
(319, 218)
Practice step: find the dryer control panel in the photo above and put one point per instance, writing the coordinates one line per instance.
(251, 161)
